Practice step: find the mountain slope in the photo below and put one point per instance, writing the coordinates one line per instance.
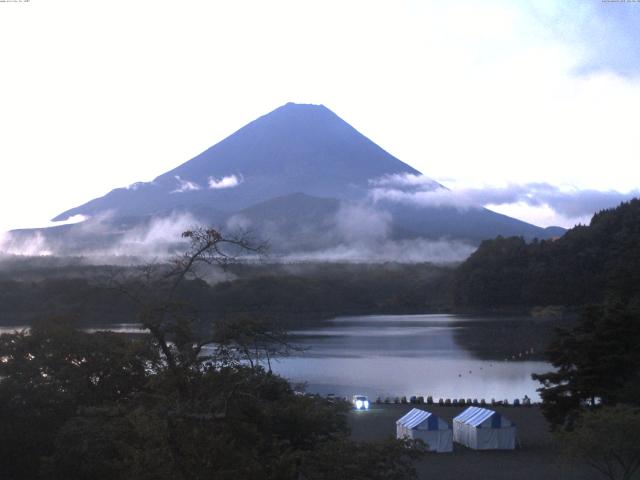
(299, 177)
(295, 148)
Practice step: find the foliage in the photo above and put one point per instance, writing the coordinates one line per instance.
(228, 422)
(586, 265)
(391, 460)
(597, 362)
(48, 373)
(608, 439)
(232, 423)
(253, 338)
(493, 275)
(173, 405)
(339, 289)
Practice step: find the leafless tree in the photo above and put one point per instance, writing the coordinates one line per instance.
(155, 289)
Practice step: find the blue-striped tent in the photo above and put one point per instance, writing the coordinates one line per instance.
(483, 429)
(432, 430)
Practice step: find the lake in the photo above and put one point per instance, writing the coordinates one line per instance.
(445, 356)
(396, 355)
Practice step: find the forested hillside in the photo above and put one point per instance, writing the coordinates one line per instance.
(586, 265)
(299, 293)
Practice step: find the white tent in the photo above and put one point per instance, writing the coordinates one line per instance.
(483, 429)
(418, 424)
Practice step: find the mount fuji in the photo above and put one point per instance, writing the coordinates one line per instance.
(299, 176)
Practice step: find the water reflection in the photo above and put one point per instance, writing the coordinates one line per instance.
(116, 328)
(13, 329)
(446, 356)
(407, 355)
(119, 328)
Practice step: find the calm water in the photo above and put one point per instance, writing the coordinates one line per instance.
(444, 356)
(406, 355)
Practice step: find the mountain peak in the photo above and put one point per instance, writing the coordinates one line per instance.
(301, 115)
(299, 173)
(297, 147)
(303, 105)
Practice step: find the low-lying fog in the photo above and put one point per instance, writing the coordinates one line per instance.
(358, 234)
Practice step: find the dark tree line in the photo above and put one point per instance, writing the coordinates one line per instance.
(585, 266)
(592, 398)
(597, 364)
(301, 292)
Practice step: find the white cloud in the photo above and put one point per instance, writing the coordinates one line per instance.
(77, 218)
(185, 186)
(401, 251)
(229, 181)
(429, 198)
(101, 237)
(362, 223)
(157, 239)
(404, 180)
(535, 201)
(238, 223)
(33, 246)
(542, 215)
(138, 185)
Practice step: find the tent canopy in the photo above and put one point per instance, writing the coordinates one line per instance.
(482, 417)
(420, 420)
(484, 429)
(420, 425)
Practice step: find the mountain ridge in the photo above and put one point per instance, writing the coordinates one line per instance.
(295, 148)
(300, 176)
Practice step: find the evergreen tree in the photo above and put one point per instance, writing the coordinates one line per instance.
(597, 362)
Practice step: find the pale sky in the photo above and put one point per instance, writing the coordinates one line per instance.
(491, 96)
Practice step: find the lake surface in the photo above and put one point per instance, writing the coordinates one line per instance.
(408, 355)
(445, 356)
